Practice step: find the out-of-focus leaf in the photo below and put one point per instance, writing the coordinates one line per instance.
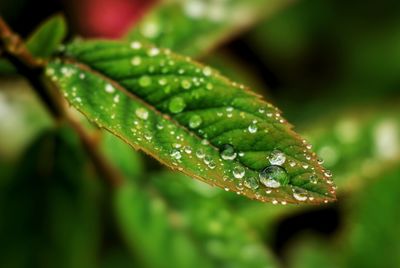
(358, 145)
(42, 42)
(371, 237)
(201, 232)
(195, 27)
(121, 155)
(152, 232)
(49, 210)
(21, 118)
(47, 37)
(6, 68)
(192, 119)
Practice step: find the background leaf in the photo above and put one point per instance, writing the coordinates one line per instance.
(193, 28)
(192, 119)
(47, 37)
(197, 233)
(50, 211)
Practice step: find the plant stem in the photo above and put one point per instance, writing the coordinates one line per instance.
(32, 68)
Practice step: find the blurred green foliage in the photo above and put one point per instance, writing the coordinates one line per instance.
(333, 67)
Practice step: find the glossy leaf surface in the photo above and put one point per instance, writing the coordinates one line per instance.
(192, 119)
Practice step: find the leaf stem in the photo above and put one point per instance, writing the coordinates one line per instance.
(14, 49)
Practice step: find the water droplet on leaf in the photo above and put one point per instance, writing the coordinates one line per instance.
(274, 176)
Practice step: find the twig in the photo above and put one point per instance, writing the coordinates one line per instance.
(32, 68)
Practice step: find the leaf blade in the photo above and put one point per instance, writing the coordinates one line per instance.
(194, 28)
(135, 103)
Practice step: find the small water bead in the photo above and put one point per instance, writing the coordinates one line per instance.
(228, 152)
(320, 161)
(292, 163)
(209, 86)
(176, 154)
(207, 71)
(136, 45)
(187, 149)
(162, 81)
(116, 98)
(153, 51)
(252, 128)
(195, 121)
(109, 88)
(142, 113)
(185, 84)
(251, 183)
(277, 157)
(200, 153)
(261, 110)
(176, 105)
(238, 172)
(145, 81)
(136, 61)
(299, 194)
(159, 126)
(328, 173)
(274, 176)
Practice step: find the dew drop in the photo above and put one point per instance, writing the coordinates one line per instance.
(136, 45)
(207, 71)
(109, 88)
(186, 84)
(328, 173)
(176, 154)
(142, 113)
(276, 157)
(162, 82)
(176, 105)
(251, 183)
(136, 61)
(238, 172)
(153, 51)
(145, 81)
(200, 153)
(188, 149)
(228, 152)
(252, 128)
(299, 194)
(274, 176)
(195, 121)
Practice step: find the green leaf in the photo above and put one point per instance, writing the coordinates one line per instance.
(195, 27)
(192, 119)
(42, 42)
(49, 209)
(200, 232)
(47, 37)
(358, 144)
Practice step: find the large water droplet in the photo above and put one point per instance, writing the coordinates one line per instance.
(176, 105)
(228, 152)
(142, 113)
(195, 121)
(238, 172)
(274, 176)
(276, 157)
(251, 183)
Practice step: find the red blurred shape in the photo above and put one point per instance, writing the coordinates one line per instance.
(108, 18)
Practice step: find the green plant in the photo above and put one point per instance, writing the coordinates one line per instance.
(101, 203)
